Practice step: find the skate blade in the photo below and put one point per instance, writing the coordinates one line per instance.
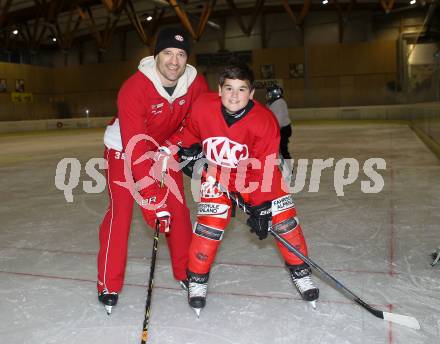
(313, 304)
(197, 310)
(436, 257)
(108, 309)
(183, 286)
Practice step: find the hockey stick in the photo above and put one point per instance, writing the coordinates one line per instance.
(395, 318)
(150, 285)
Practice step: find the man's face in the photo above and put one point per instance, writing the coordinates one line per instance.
(235, 94)
(171, 64)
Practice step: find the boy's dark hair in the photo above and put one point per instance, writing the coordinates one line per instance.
(237, 71)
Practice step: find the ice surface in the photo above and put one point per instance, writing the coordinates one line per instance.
(377, 245)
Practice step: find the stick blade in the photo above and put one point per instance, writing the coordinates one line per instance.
(402, 320)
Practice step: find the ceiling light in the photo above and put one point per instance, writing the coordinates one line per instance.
(146, 17)
(324, 2)
(412, 2)
(15, 32)
(213, 25)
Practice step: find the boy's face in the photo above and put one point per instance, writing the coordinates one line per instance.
(235, 94)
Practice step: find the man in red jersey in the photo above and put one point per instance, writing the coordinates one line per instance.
(152, 105)
(240, 139)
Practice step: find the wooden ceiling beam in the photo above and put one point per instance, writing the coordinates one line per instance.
(343, 14)
(387, 5)
(207, 10)
(137, 23)
(4, 34)
(4, 11)
(28, 13)
(87, 16)
(110, 29)
(145, 30)
(302, 14)
(114, 6)
(256, 11)
(221, 14)
(158, 16)
(21, 18)
(53, 8)
(66, 37)
(102, 37)
(33, 39)
(183, 17)
(258, 8)
(237, 15)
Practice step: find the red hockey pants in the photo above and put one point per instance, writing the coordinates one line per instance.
(115, 227)
(214, 214)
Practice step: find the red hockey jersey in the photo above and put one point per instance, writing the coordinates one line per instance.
(245, 153)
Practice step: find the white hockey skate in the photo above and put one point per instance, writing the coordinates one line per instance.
(108, 300)
(197, 290)
(301, 278)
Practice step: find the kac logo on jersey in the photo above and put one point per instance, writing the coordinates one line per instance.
(225, 152)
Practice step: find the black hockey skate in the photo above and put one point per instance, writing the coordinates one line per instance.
(108, 300)
(301, 278)
(197, 289)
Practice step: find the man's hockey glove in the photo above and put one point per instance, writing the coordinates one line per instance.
(164, 218)
(155, 196)
(189, 157)
(260, 219)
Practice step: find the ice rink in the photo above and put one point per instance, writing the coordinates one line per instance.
(377, 244)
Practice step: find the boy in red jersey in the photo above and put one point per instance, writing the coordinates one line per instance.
(236, 132)
(152, 105)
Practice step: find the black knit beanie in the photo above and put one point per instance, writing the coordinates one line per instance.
(172, 37)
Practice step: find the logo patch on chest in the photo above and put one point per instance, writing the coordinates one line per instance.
(156, 108)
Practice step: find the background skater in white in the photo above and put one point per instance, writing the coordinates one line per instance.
(277, 104)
